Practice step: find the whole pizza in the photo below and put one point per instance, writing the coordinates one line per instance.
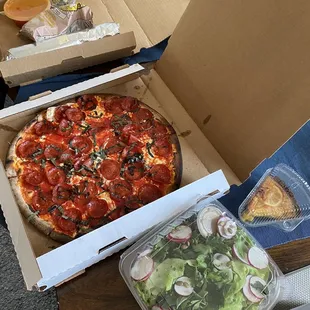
(89, 161)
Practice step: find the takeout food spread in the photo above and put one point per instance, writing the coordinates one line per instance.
(203, 259)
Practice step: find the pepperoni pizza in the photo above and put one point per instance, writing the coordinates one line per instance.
(91, 160)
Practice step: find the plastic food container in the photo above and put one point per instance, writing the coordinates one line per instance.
(281, 198)
(202, 259)
(21, 11)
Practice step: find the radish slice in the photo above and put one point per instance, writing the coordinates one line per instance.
(227, 228)
(157, 308)
(257, 258)
(142, 269)
(180, 234)
(145, 252)
(207, 220)
(183, 286)
(247, 292)
(220, 261)
(257, 285)
(236, 253)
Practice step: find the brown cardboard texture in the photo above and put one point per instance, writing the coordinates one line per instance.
(246, 68)
(140, 17)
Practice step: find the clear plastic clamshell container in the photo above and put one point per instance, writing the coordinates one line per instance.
(202, 259)
(281, 198)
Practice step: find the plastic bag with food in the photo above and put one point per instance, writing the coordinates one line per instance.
(58, 21)
(60, 3)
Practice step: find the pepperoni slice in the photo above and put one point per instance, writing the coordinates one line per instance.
(55, 175)
(149, 193)
(94, 222)
(84, 166)
(161, 174)
(66, 224)
(162, 147)
(34, 177)
(113, 106)
(134, 171)
(120, 189)
(43, 127)
(41, 202)
(142, 115)
(27, 148)
(117, 213)
(87, 188)
(81, 201)
(113, 145)
(81, 144)
(128, 131)
(61, 193)
(74, 214)
(129, 104)
(52, 151)
(133, 202)
(74, 114)
(54, 139)
(91, 189)
(98, 124)
(158, 130)
(65, 127)
(67, 157)
(133, 152)
(87, 102)
(60, 112)
(118, 122)
(97, 208)
(45, 187)
(110, 169)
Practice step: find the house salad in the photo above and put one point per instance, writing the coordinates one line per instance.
(205, 262)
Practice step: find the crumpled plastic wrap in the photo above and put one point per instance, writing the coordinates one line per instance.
(96, 33)
(57, 21)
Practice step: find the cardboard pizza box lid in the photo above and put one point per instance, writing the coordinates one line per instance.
(246, 66)
(135, 17)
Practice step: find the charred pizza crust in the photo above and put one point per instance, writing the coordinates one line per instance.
(33, 216)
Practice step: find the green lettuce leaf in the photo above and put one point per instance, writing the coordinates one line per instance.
(166, 273)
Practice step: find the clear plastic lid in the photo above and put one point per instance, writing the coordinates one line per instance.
(202, 259)
(281, 198)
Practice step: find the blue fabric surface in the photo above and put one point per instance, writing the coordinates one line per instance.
(148, 54)
(52, 84)
(296, 154)
(145, 55)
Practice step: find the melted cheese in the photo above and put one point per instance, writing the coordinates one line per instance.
(50, 114)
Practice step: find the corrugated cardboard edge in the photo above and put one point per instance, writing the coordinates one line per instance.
(23, 249)
(40, 66)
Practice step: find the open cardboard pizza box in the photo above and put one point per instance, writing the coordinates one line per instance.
(140, 26)
(222, 84)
